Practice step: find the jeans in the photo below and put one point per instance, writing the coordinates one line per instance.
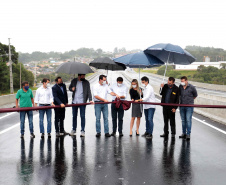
(169, 115)
(41, 118)
(117, 112)
(149, 115)
(82, 115)
(104, 109)
(59, 119)
(22, 121)
(186, 118)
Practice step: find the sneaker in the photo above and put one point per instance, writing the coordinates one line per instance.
(57, 134)
(32, 135)
(149, 136)
(66, 133)
(188, 137)
(98, 134)
(82, 134)
(113, 134)
(120, 134)
(22, 136)
(145, 134)
(164, 135)
(107, 135)
(182, 136)
(42, 135)
(73, 133)
(49, 135)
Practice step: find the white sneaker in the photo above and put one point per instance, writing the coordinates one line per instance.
(82, 134)
(73, 133)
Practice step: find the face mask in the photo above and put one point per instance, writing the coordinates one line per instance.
(183, 83)
(26, 87)
(104, 82)
(143, 85)
(60, 84)
(119, 85)
(82, 79)
(134, 86)
(170, 86)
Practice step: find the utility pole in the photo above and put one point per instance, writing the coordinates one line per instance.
(10, 70)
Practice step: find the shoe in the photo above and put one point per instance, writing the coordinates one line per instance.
(130, 135)
(49, 135)
(164, 135)
(137, 134)
(107, 135)
(188, 137)
(73, 133)
(182, 136)
(42, 135)
(57, 134)
(120, 134)
(22, 136)
(172, 135)
(149, 136)
(32, 135)
(145, 134)
(66, 133)
(98, 134)
(113, 134)
(82, 134)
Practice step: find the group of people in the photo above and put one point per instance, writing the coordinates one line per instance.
(81, 93)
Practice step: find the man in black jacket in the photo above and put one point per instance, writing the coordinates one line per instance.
(170, 94)
(60, 98)
(81, 93)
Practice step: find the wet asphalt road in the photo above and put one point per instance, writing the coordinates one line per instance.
(126, 160)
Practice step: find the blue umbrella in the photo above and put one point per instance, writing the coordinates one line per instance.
(170, 53)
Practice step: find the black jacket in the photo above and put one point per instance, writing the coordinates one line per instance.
(58, 96)
(86, 89)
(174, 97)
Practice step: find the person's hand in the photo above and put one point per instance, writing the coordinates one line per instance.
(91, 102)
(140, 100)
(117, 96)
(17, 106)
(62, 105)
(136, 100)
(132, 100)
(162, 85)
(53, 104)
(105, 100)
(73, 88)
(173, 110)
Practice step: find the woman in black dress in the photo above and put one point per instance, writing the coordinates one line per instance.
(136, 108)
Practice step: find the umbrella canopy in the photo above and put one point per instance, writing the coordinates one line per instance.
(170, 53)
(74, 68)
(107, 63)
(139, 60)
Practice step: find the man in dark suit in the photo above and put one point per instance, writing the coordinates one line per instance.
(170, 94)
(60, 98)
(81, 93)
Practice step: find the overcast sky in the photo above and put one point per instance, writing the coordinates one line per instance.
(63, 25)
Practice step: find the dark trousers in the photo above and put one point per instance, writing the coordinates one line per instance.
(117, 112)
(82, 115)
(59, 119)
(169, 115)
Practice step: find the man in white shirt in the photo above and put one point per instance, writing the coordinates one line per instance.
(44, 97)
(149, 110)
(121, 90)
(100, 92)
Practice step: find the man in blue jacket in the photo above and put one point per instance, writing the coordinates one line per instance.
(60, 98)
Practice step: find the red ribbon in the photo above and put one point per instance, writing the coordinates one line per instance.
(147, 103)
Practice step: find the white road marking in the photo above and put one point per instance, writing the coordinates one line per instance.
(7, 115)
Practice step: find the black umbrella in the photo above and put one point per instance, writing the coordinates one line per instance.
(107, 64)
(74, 68)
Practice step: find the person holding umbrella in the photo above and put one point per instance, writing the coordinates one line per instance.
(170, 94)
(81, 93)
(60, 98)
(149, 110)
